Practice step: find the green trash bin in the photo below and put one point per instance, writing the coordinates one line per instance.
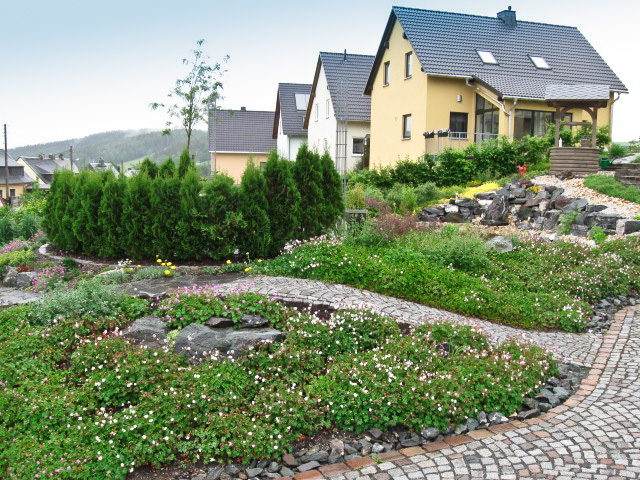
(604, 163)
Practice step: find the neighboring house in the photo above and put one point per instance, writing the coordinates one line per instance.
(478, 76)
(19, 181)
(235, 136)
(338, 116)
(102, 166)
(42, 168)
(288, 124)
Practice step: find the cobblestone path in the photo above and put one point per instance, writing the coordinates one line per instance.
(594, 436)
(580, 349)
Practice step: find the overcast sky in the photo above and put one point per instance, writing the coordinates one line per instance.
(73, 68)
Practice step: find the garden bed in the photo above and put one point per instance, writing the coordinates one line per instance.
(118, 407)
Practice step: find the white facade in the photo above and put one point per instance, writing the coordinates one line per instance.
(288, 145)
(322, 129)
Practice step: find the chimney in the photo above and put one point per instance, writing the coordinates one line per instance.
(508, 17)
(345, 55)
(41, 156)
(243, 109)
(51, 156)
(61, 156)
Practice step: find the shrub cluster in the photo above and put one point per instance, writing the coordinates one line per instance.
(79, 402)
(491, 159)
(172, 213)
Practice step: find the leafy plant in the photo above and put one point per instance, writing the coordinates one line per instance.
(566, 221)
(17, 258)
(597, 234)
(616, 150)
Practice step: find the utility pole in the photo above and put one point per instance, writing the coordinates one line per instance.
(6, 165)
(71, 157)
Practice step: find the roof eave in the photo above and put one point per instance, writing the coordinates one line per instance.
(276, 117)
(312, 94)
(381, 48)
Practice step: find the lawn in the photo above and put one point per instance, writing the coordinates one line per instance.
(79, 402)
(537, 286)
(608, 185)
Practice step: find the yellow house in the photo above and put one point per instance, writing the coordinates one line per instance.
(235, 136)
(473, 78)
(42, 168)
(18, 182)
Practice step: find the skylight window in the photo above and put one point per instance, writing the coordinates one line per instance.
(540, 62)
(302, 101)
(487, 57)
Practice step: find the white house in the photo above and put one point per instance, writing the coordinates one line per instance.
(339, 114)
(288, 123)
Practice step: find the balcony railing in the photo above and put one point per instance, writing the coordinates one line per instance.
(459, 140)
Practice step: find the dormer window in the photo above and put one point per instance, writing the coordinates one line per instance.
(487, 57)
(540, 62)
(302, 101)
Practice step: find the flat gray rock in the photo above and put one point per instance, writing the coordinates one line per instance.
(158, 287)
(500, 244)
(149, 331)
(10, 297)
(198, 341)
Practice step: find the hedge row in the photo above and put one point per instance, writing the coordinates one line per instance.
(183, 218)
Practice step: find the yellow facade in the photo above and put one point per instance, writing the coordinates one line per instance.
(19, 189)
(234, 163)
(430, 100)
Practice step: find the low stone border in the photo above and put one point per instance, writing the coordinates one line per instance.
(364, 465)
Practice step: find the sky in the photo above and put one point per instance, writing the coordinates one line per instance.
(73, 68)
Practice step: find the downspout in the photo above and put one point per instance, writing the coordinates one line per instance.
(495, 99)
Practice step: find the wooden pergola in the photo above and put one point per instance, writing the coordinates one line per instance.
(586, 97)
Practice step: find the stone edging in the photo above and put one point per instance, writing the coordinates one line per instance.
(402, 456)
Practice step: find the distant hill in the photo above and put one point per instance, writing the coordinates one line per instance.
(123, 146)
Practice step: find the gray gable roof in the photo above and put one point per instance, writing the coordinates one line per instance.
(241, 131)
(447, 44)
(347, 75)
(576, 92)
(292, 118)
(45, 167)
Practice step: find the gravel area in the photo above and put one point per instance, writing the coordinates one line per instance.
(575, 188)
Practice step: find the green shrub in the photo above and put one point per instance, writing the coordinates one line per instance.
(167, 169)
(6, 230)
(283, 201)
(566, 222)
(223, 220)
(256, 237)
(332, 192)
(137, 217)
(402, 198)
(69, 263)
(28, 226)
(616, 150)
(608, 185)
(454, 168)
(191, 245)
(113, 278)
(111, 217)
(164, 221)
(358, 193)
(86, 299)
(308, 177)
(56, 207)
(147, 273)
(185, 164)
(598, 235)
(148, 168)
(85, 219)
(17, 258)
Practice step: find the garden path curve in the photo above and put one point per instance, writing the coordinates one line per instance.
(579, 349)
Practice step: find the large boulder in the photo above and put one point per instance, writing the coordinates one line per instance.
(9, 277)
(453, 217)
(497, 213)
(551, 218)
(149, 331)
(25, 279)
(199, 341)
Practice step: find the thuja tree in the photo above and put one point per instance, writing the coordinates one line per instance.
(164, 202)
(70, 241)
(256, 237)
(137, 217)
(222, 218)
(185, 164)
(283, 201)
(332, 192)
(85, 219)
(308, 177)
(110, 217)
(56, 206)
(167, 169)
(190, 216)
(149, 168)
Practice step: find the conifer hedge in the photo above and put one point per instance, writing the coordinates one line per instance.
(159, 213)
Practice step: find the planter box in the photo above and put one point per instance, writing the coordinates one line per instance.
(354, 217)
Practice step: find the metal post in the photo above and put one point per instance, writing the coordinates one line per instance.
(215, 143)
(71, 157)
(6, 165)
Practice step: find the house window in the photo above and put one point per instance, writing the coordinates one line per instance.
(540, 62)
(387, 68)
(358, 146)
(328, 108)
(535, 123)
(408, 64)
(263, 165)
(12, 192)
(487, 57)
(317, 110)
(487, 119)
(458, 124)
(406, 126)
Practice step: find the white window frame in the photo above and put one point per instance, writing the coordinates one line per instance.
(386, 73)
(353, 146)
(408, 65)
(487, 57)
(317, 110)
(328, 107)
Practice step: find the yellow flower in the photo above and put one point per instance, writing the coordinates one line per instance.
(228, 261)
(259, 260)
(167, 272)
(159, 260)
(168, 264)
(247, 269)
(138, 266)
(173, 267)
(157, 256)
(163, 264)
